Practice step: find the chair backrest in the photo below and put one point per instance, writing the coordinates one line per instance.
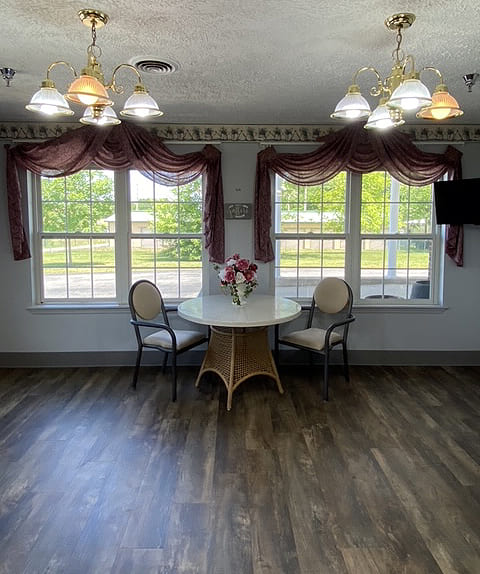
(333, 295)
(146, 301)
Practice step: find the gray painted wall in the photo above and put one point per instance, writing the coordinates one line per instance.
(455, 329)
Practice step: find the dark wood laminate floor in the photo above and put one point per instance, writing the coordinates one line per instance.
(383, 479)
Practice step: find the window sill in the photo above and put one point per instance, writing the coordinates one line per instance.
(87, 309)
(106, 309)
(405, 309)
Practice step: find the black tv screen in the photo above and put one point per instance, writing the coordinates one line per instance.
(457, 201)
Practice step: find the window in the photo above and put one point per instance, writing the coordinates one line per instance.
(371, 230)
(397, 239)
(76, 243)
(166, 235)
(97, 231)
(310, 235)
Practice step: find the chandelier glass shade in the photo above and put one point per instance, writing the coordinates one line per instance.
(411, 94)
(90, 90)
(50, 102)
(353, 106)
(140, 104)
(100, 116)
(402, 91)
(444, 106)
(384, 117)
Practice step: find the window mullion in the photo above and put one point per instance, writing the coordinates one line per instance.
(122, 235)
(36, 219)
(353, 241)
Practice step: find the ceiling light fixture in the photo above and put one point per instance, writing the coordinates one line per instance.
(402, 91)
(7, 75)
(90, 90)
(470, 80)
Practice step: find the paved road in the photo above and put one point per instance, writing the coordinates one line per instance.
(104, 285)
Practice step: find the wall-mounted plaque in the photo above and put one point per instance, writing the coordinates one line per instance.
(238, 211)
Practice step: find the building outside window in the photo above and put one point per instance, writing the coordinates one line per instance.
(370, 230)
(98, 231)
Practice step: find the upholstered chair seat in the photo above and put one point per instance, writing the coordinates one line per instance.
(164, 340)
(313, 338)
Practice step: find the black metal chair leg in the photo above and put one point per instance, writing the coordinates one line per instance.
(137, 367)
(325, 376)
(276, 351)
(174, 377)
(345, 362)
(165, 359)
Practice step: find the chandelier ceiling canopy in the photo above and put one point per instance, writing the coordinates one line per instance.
(90, 90)
(402, 91)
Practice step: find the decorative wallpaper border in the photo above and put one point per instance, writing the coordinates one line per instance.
(18, 131)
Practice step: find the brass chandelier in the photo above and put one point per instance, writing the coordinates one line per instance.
(90, 90)
(402, 91)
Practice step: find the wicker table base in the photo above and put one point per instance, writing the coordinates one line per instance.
(235, 355)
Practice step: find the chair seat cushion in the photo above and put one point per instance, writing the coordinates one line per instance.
(313, 338)
(163, 340)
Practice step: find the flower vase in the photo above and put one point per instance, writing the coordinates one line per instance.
(239, 295)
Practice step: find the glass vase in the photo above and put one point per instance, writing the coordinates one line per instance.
(239, 294)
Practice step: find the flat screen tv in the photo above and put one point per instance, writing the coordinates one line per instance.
(457, 201)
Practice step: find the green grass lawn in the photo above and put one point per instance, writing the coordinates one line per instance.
(105, 257)
(143, 259)
(370, 259)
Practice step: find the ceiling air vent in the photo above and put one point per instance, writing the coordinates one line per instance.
(154, 66)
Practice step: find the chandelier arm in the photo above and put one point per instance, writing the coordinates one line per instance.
(375, 90)
(120, 89)
(408, 59)
(432, 69)
(60, 62)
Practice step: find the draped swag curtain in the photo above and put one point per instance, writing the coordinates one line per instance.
(360, 151)
(118, 147)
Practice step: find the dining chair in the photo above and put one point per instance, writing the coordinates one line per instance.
(329, 318)
(146, 307)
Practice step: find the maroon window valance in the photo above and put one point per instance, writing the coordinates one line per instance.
(118, 147)
(360, 151)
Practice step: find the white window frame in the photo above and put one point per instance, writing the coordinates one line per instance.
(122, 236)
(353, 243)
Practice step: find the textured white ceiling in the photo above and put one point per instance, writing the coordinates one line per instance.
(241, 61)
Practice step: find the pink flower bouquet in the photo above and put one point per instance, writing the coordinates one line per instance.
(239, 277)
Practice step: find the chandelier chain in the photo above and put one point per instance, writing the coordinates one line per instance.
(398, 53)
(91, 49)
(94, 32)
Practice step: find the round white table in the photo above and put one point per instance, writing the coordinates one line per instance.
(238, 348)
